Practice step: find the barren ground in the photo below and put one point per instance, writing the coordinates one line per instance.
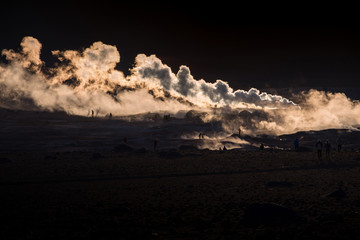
(177, 195)
(66, 177)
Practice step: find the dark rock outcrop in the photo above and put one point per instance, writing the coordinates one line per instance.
(269, 214)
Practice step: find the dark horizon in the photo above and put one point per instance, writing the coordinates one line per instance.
(222, 42)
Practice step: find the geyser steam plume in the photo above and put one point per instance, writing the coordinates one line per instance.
(84, 80)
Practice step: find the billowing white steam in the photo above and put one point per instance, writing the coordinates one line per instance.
(319, 110)
(82, 80)
(150, 69)
(88, 80)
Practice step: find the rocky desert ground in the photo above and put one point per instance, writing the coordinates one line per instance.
(80, 184)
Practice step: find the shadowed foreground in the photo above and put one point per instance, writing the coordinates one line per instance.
(187, 194)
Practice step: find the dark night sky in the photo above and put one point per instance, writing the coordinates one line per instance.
(235, 43)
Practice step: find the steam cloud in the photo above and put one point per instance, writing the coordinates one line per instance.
(84, 80)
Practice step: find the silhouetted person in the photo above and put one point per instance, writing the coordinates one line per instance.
(155, 144)
(319, 147)
(296, 144)
(92, 113)
(110, 115)
(339, 144)
(327, 149)
(261, 146)
(224, 149)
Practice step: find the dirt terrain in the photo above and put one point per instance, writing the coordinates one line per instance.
(185, 194)
(75, 178)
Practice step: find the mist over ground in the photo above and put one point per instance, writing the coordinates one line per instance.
(86, 83)
(88, 152)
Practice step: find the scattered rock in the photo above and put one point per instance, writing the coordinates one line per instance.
(193, 155)
(338, 194)
(170, 154)
(141, 150)
(123, 148)
(268, 214)
(50, 157)
(330, 218)
(96, 156)
(188, 148)
(119, 210)
(5, 160)
(279, 184)
(304, 149)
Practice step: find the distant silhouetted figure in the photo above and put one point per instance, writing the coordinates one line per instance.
(339, 144)
(327, 149)
(224, 148)
(261, 146)
(155, 144)
(92, 113)
(110, 115)
(296, 144)
(319, 147)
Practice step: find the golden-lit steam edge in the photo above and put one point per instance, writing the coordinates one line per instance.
(85, 80)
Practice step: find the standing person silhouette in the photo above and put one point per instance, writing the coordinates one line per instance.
(319, 147)
(339, 144)
(296, 144)
(155, 144)
(327, 149)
